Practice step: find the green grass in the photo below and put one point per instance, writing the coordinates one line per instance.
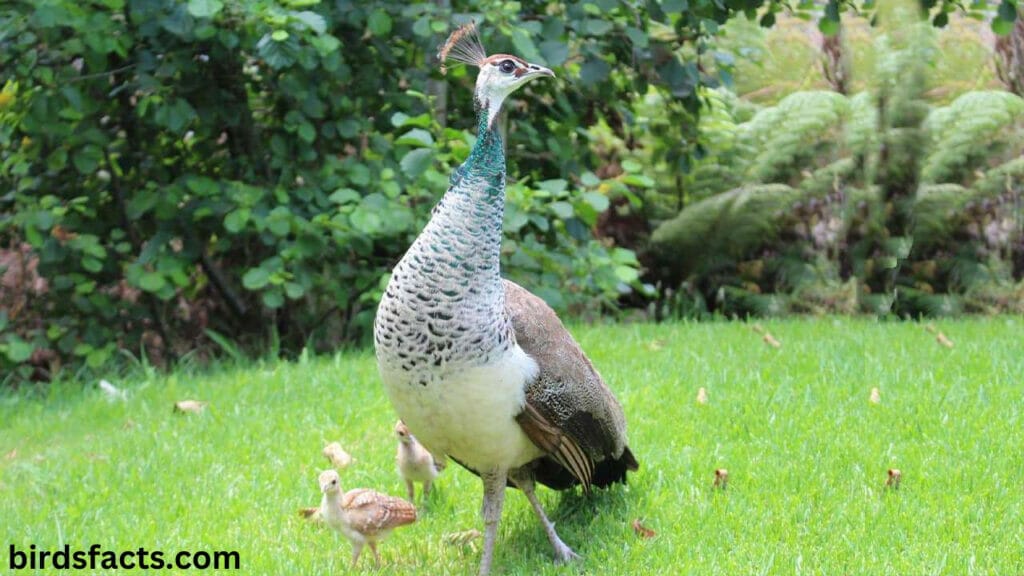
(807, 456)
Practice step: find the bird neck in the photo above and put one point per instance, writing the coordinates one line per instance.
(330, 505)
(464, 234)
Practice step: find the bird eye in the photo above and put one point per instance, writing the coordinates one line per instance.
(507, 66)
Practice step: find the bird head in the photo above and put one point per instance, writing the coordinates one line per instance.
(500, 74)
(330, 483)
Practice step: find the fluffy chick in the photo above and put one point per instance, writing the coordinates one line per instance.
(415, 463)
(362, 515)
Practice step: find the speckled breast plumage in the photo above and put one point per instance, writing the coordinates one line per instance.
(444, 306)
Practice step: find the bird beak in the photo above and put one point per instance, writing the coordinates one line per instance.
(537, 70)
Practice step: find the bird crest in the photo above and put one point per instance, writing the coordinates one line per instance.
(463, 47)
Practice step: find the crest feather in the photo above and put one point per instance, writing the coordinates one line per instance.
(463, 46)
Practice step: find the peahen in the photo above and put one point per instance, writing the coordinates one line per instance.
(480, 369)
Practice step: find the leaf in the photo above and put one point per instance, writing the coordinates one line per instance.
(1001, 27)
(415, 137)
(597, 27)
(594, 70)
(279, 35)
(294, 290)
(205, 8)
(344, 196)
(1007, 11)
(314, 21)
(273, 298)
(828, 27)
(307, 132)
(597, 201)
(87, 158)
(18, 350)
(555, 186)
(152, 281)
(236, 220)
(416, 162)
(524, 45)
(562, 209)
(627, 274)
(379, 23)
(554, 52)
(255, 278)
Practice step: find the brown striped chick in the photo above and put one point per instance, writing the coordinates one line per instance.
(415, 463)
(362, 515)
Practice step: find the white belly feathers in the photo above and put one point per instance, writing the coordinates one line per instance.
(468, 413)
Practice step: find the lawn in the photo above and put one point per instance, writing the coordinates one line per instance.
(806, 451)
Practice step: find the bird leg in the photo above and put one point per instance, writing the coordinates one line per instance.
(376, 555)
(562, 552)
(357, 547)
(410, 488)
(494, 498)
(426, 489)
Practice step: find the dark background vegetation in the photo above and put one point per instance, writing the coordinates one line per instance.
(182, 177)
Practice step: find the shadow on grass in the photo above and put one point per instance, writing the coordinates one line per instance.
(585, 523)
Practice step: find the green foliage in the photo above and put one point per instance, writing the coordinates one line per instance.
(254, 168)
(801, 133)
(976, 131)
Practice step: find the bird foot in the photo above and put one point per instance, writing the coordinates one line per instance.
(564, 554)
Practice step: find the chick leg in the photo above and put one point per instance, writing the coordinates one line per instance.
(376, 555)
(410, 488)
(426, 489)
(494, 498)
(562, 552)
(357, 547)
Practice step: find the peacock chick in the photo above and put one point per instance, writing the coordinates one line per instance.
(415, 463)
(362, 515)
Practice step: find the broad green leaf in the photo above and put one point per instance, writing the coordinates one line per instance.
(627, 274)
(524, 45)
(87, 158)
(17, 350)
(599, 202)
(344, 196)
(416, 162)
(314, 21)
(205, 8)
(1007, 10)
(152, 281)
(273, 298)
(307, 132)
(555, 186)
(255, 278)
(562, 209)
(1002, 27)
(235, 220)
(415, 137)
(279, 35)
(379, 23)
(554, 52)
(828, 27)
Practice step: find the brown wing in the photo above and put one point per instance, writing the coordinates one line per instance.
(371, 512)
(570, 413)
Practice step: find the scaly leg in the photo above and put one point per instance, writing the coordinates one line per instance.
(426, 489)
(410, 488)
(494, 498)
(562, 552)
